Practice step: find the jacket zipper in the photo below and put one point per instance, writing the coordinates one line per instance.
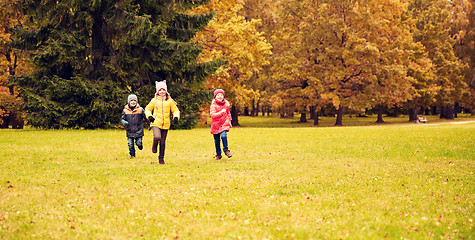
(163, 115)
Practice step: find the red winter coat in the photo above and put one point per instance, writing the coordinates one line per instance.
(220, 117)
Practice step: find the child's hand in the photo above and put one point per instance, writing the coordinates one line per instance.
(149, 128)
(126, 123)
(175, 120)
(151, 119)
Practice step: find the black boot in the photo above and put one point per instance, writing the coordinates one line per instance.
(161, 161)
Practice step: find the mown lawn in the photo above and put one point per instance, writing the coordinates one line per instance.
(373, 182)
(351, 121)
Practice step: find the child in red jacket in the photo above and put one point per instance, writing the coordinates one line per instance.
(220, 123)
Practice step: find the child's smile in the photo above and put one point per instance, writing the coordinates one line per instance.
(219, 97)
(162, 92)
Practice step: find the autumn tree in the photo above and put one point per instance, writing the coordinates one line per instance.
(292, 71)
(343, 53)
(390, 34)
(463, 29)
(12, 62)
(425, 86)
(267, 13)
(231, 37)
(433, 30)
(362, 53)
(90, 55)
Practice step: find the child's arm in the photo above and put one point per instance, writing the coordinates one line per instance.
(149, 108)
(146, 119)
(215, 114)
(230, 118)
(175, 110)
(123, 119)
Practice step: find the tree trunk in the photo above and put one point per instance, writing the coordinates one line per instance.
(457, 110)
(433, 111)
(246, 111)
(315, 119)
(253, 110)
(413, 114)
(99, 46)
(449, 112)
(380, 114)
(16, 122)
(257, 108)
(303, 117)
(339, 116)
(234, 116)
(312, 112)
(441, 112)
(6, 121)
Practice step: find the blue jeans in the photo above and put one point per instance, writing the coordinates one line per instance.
(217, 143)
(138, 142)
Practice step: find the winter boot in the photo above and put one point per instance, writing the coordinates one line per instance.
(228, 153)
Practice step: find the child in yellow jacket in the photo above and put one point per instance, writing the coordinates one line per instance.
(158, 112)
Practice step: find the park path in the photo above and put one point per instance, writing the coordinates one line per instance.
(459, 122)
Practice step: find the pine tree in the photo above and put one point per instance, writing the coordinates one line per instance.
(91, 54)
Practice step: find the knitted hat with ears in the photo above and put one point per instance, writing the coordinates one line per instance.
(160, 85)
(218, 91)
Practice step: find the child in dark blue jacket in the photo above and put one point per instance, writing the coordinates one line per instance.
(132, 119)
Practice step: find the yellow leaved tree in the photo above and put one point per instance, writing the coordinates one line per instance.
(435, 22)
(229, 36)
(12, 62)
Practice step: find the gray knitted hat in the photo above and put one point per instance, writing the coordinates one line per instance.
(132, 97)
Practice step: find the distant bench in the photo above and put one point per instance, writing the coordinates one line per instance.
(421, 120)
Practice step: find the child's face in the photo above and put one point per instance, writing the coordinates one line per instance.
(133, 103)
(162, 92)
(219, 97)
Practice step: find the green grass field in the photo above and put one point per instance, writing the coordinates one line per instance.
(402, 181)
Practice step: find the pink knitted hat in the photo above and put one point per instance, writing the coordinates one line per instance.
(160, 85)
(218, 91)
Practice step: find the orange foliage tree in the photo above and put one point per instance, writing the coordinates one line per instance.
(229, 36)
(436, 31)
(463, 29)
(12, 62)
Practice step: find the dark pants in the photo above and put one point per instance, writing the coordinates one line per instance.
(217, 141)
(159, 136)
(130, 142)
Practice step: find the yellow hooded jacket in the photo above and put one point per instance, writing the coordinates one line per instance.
(160, 109)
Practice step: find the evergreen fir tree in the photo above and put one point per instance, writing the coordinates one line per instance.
(91, 54)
